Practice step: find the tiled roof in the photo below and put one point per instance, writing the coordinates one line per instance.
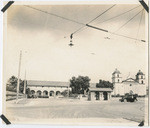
(101, 89)
(47, 83)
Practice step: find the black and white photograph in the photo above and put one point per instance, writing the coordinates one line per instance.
(76, 63)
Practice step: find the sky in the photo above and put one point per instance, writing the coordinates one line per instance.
(44, 41)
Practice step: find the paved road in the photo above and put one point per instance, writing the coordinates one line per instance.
(50, 108)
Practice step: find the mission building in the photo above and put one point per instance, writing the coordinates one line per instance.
(136, 86)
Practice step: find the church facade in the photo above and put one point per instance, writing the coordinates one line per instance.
(136, 86)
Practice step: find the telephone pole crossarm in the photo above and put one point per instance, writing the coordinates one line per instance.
(96, 28)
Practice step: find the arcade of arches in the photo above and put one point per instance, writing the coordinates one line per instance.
(47, 89)
(45, 93)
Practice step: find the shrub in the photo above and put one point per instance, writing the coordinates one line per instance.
(118, 95)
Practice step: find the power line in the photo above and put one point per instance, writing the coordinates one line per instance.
(101, 14)
(78, 30)
(104, 30)
(55, 15)
(119, 15)
(139, 23)
(126, 36)
(94, 19)
(86, 24)
(129, 20)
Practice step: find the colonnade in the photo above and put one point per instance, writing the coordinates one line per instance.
(94, 95)
(45, 93)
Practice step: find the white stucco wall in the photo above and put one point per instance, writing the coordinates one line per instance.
(122, 88)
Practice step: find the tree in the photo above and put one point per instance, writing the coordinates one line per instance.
(28, 92)
(79, 84)
(104, 84)
(12, 84)
(66, 93)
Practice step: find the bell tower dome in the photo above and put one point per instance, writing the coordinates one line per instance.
(140, 77)
(116, 76)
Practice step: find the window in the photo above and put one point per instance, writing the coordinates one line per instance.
(118, 80)
(142, 82)
(130, 84)
(118, 75)
(141, 77)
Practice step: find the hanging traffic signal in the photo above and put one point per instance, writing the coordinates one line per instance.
(71, 44)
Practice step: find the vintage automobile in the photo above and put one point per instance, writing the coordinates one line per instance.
(129, 98)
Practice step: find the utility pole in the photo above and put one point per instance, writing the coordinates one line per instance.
(24, 91)
(18, 83)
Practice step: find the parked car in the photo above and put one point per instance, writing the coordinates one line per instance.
(129, 98)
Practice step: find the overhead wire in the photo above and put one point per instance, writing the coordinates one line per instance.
(104, 30)
(52, 14)
(139, 23)
(83, 23)
(125, 36)
(94, 19)
(79, 30)
(114, 33)
(118, 15)
(101, 14)
(129, 20)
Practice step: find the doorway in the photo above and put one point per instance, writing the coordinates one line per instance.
(105, 95)
(97, 95)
